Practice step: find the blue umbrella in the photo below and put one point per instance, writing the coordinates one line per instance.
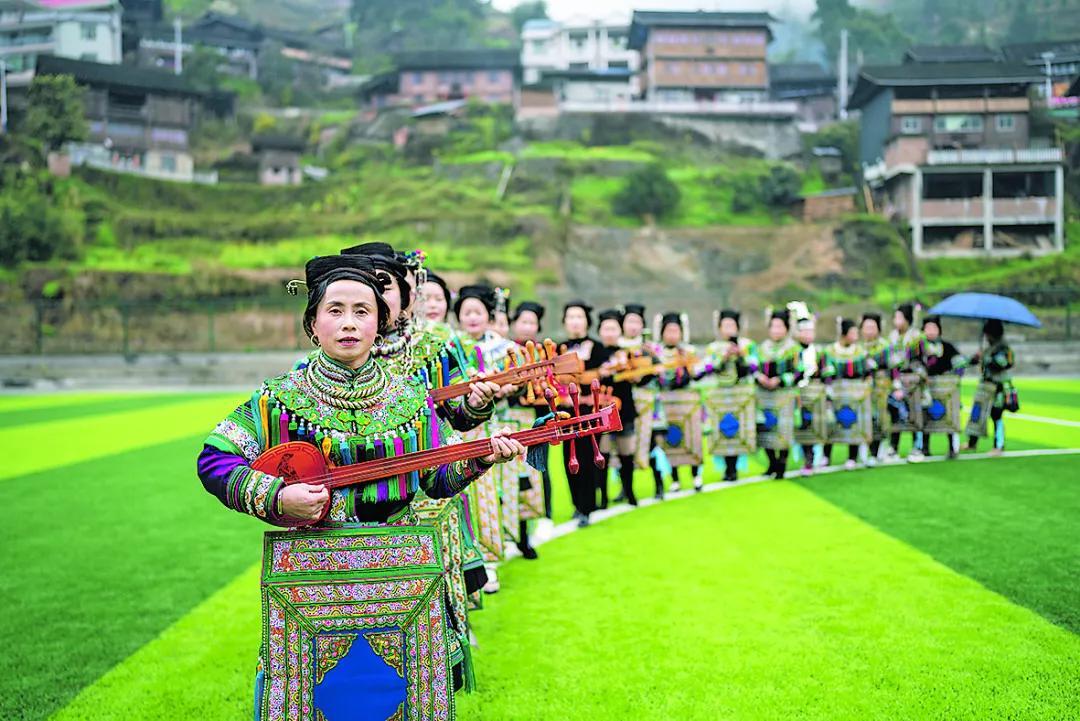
(986, 306)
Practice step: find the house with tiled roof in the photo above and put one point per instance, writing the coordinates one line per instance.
(424, 77)
(951, 148)
(79, 29)
(702, 56)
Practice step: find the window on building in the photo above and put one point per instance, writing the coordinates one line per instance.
(89, 57)
(579, 66)
(911, 125)
(168, 163)
(417, 78)
(1005, 123)
(617, 40)
(674, 68)
(619, 65)
(88, 31)
(721, 69)
(958, 124)
(578, 40)
(494, 76)
(538, 46)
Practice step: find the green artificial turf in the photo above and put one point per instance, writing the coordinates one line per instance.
(1012, 524)
(48, 445)
(123, 578)
(93, 407)
(102, 553)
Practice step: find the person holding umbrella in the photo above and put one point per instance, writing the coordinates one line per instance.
(997, 360)
(995, 363)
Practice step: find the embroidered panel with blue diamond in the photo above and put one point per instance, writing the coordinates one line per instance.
(984, 399)
(813, 417)
(852, 403)
(354, 626)
(682, 440)
(776, 410)
(943, 413)
(732, 410)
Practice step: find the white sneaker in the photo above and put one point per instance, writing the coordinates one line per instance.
(915, 456)
(492, 585)
(821, 462)
(850, 465)
(891, 457)
(674, 487)
(871, 461)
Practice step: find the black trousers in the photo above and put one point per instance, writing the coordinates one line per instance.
(852, 452)
(731, 468)
(777, 461)
(583, 484)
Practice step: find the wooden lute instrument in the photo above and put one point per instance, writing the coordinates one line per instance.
(300, 462)
(542, 363)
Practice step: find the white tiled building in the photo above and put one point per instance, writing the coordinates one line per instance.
(78, 29)
(579, 44)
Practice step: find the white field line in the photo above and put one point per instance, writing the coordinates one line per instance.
(1044, 419)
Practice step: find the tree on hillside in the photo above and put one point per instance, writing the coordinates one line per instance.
(536, 10)
(54, 112)
(647, 191)
(385, 27)
(876, 35)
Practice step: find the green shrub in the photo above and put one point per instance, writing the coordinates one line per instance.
(647, 191)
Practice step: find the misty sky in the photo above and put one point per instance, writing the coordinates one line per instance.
(562, 9)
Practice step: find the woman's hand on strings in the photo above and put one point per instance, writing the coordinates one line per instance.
(304, 501)
(481, 393)
(503, 448)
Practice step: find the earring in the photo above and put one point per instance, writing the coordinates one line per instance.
(315, 341)
(377, 343)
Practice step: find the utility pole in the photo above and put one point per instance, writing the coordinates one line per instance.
(1048, 88)
(842, 76)
(178, 53)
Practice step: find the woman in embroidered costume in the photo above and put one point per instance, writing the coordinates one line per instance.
(779, 367)
(996, 362)
(727, 362)
(484, 352)
(623, 443)
(904, 341)
(577, 320)
(671, 329)
(810, 362)
(936, 357)
(525, 327)
(846, 359)
(879, 353)
(351, 408)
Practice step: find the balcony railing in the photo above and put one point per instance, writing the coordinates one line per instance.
(1003, 210)
(761, 108)
(960, 210)
(983, 156)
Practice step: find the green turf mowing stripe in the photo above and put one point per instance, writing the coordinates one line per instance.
(98, 558)
(22, 401)
(763, 602)
(202, 667)
(120, 404)
(1009, 523)
(46, 446)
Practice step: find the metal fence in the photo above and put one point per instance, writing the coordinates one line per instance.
(67, 327)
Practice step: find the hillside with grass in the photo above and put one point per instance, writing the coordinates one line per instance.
(681, 222)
